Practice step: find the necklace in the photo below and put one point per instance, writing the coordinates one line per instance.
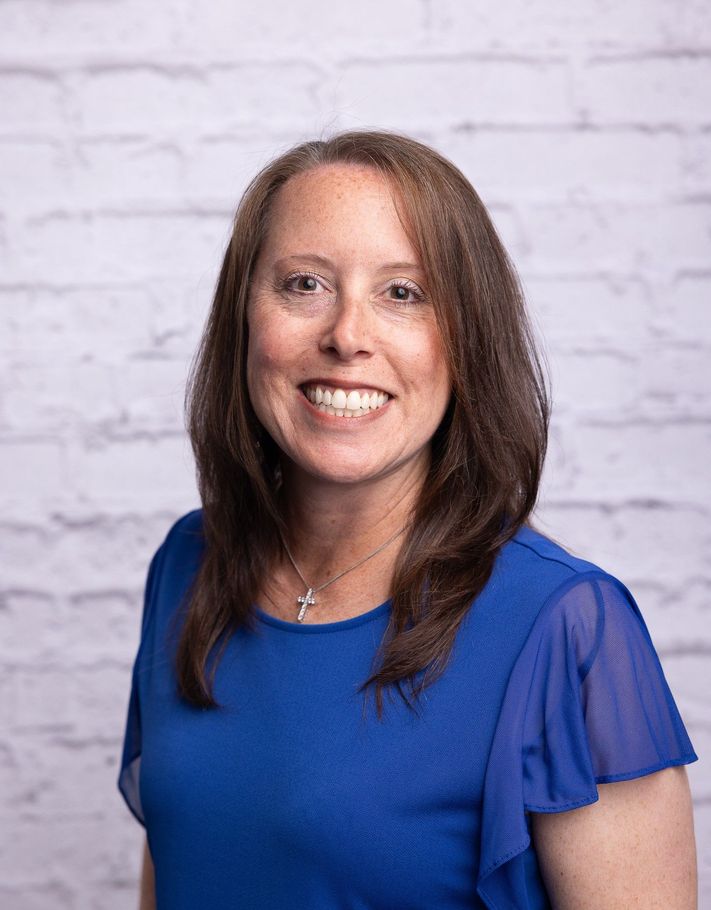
(308, 600)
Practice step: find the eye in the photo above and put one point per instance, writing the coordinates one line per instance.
(309, 282)
(404, 288)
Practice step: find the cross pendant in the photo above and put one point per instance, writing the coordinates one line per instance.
(306, 600)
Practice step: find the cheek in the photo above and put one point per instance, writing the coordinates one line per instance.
(432, 362)
(267, 356)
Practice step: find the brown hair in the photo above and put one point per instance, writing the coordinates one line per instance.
(487, 454)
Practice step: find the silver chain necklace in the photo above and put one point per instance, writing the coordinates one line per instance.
(308, 600)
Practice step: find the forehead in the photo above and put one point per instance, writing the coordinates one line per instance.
(337, 202)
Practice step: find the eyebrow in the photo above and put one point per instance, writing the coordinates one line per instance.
(323, 260)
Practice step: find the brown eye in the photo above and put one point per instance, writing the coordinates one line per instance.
(406, 293)
(301, 283)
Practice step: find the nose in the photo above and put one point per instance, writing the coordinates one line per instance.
(348, 331)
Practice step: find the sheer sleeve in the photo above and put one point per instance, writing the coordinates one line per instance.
(129, 773)
(586, 703)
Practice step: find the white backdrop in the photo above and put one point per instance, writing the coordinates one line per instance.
(127, 132)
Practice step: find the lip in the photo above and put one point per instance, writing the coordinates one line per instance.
(345, 384)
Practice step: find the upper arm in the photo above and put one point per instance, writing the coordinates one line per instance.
(148, 891)
(634, 847)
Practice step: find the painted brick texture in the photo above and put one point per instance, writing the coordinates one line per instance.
(127, 133)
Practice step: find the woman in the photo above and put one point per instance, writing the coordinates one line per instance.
(369, 421)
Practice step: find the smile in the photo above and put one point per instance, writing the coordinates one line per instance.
(342, 403)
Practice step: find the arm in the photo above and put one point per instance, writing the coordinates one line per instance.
(148, 891)
(634, 847)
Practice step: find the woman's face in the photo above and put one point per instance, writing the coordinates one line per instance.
(345, 365)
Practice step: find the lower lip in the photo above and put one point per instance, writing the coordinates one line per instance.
(345, 421)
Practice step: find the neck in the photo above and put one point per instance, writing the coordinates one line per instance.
(332, 524)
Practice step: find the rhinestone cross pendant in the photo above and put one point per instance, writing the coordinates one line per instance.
(306, 600)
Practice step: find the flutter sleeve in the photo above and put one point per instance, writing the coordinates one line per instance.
(586, 703)
(129, 773)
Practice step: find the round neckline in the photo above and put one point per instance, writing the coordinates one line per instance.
(340, 625)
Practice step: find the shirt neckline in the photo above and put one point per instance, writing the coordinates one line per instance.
(340, 625)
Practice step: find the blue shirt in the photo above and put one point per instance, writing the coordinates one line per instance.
(290, 797)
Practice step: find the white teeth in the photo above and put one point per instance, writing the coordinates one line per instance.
(353, 401)
(339, 399)
(342, 404)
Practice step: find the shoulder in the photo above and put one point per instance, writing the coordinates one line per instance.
(186, 527)
(535, 548)
(184, 536)
(177, 558)
(533, 568)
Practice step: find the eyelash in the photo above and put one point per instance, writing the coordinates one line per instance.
(408, 285)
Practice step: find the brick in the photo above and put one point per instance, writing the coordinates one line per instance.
(574, 164)
(676, 386)
(134, 99)
(649, 91)
(85, 27)
(678, 618)
(658, 239)
(570, 27)
(655, 546)
(126, 173)
(150, 393)
(135, 473)
(413, 95)
(113, 551)
(622, 460)
(72, 848)
(219, 168)
(58, 399)
(57, 772)
(617, 380)
(329, 29)
(37, 470)
(683, 308)
(31, 102)
(60, 702)
(56, 324)
(36, 174)
(31, 623)
(112, 247)
(138, 100)
(589, 312)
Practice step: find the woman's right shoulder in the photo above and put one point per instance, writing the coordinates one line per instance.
(188, 525)
(184, 536)
(172, 569)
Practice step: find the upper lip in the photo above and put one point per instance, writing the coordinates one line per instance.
(344, 384)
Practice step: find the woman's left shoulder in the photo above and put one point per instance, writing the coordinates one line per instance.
(533, 569)
(535, 548)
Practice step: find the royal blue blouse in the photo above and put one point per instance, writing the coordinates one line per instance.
(292, 796)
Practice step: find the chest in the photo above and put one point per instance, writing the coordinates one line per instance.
(295, 787)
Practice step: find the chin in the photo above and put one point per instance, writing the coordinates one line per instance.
(347, 476)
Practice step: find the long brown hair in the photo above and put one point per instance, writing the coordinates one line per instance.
(487, 454)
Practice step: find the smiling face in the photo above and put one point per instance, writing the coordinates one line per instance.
(345, 365)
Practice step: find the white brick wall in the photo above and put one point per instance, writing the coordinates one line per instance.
(127, 131)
